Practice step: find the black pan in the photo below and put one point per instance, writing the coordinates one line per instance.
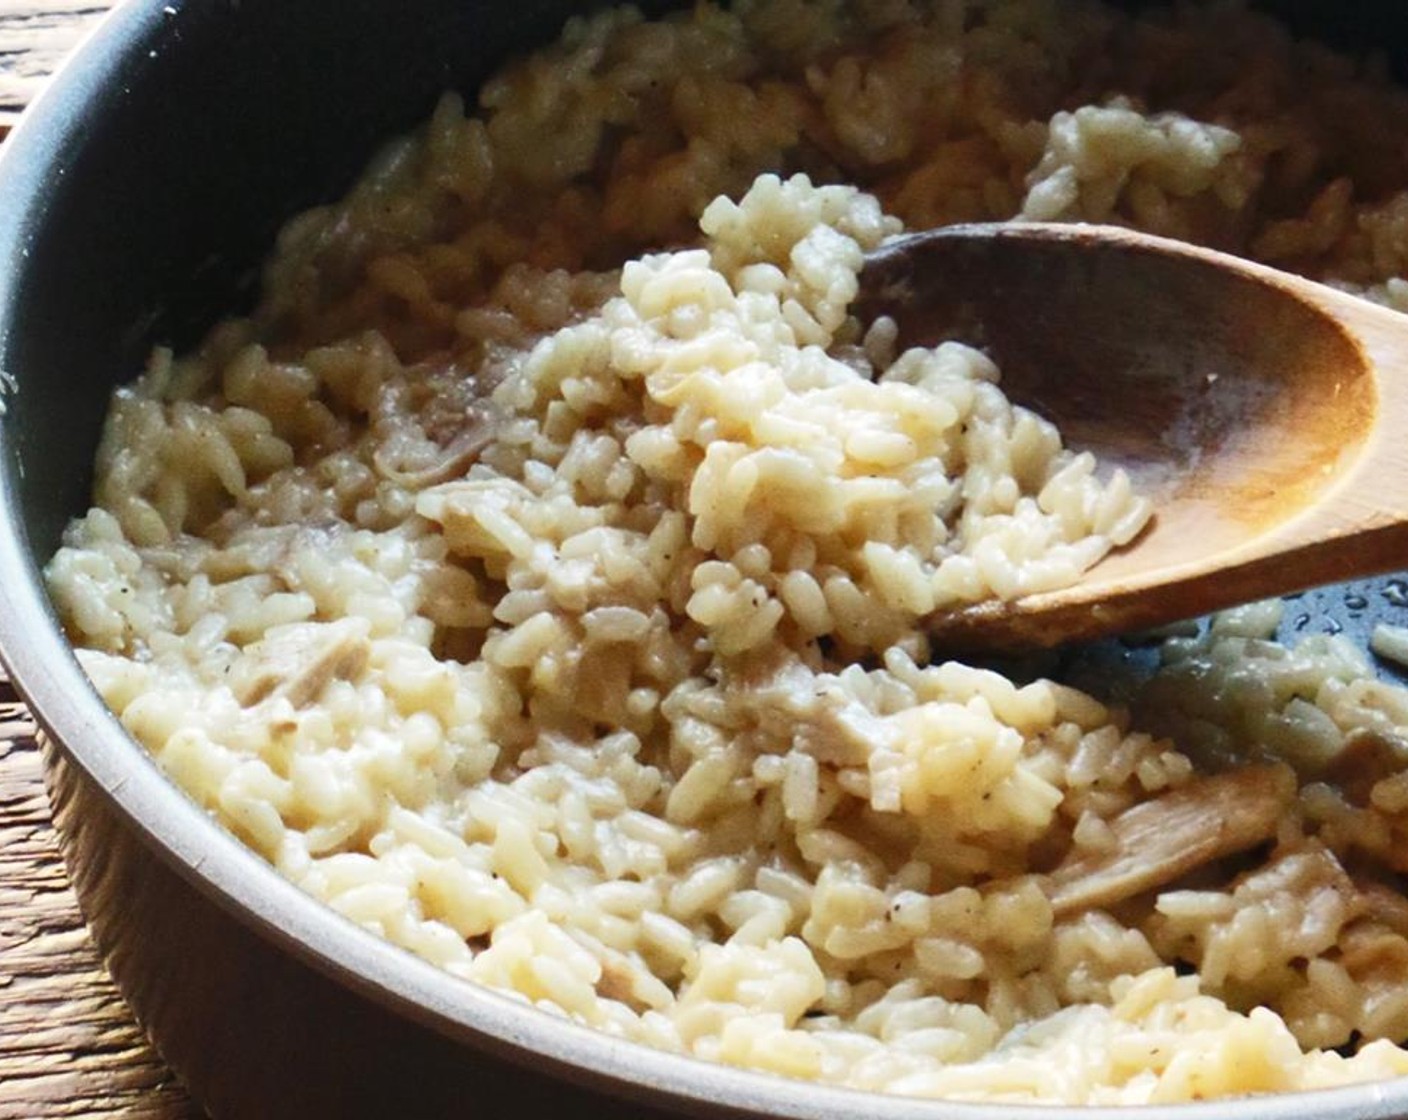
(138, 199)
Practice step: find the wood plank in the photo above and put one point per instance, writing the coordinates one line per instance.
(68, 1044)
(35, 36)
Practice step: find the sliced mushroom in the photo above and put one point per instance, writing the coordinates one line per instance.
(817, 716)
(1366, 759)
(445, 463)
(1162, 840)
(297, 661)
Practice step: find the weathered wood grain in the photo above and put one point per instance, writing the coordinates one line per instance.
(35, 36)
(68, 1045)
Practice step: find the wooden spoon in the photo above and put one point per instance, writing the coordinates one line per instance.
(1265, 414)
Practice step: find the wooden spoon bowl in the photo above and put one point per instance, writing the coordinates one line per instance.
(1265, 415)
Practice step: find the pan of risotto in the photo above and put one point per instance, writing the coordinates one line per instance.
(475, 567)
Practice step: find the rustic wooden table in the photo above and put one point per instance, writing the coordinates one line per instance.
(68, 1044)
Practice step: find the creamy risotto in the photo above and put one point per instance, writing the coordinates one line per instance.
(539, 576)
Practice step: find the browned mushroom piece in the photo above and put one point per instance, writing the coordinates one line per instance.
(1159, 841)
(830, 724)
(298, 661)
(1366, 758)
(442, 463)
